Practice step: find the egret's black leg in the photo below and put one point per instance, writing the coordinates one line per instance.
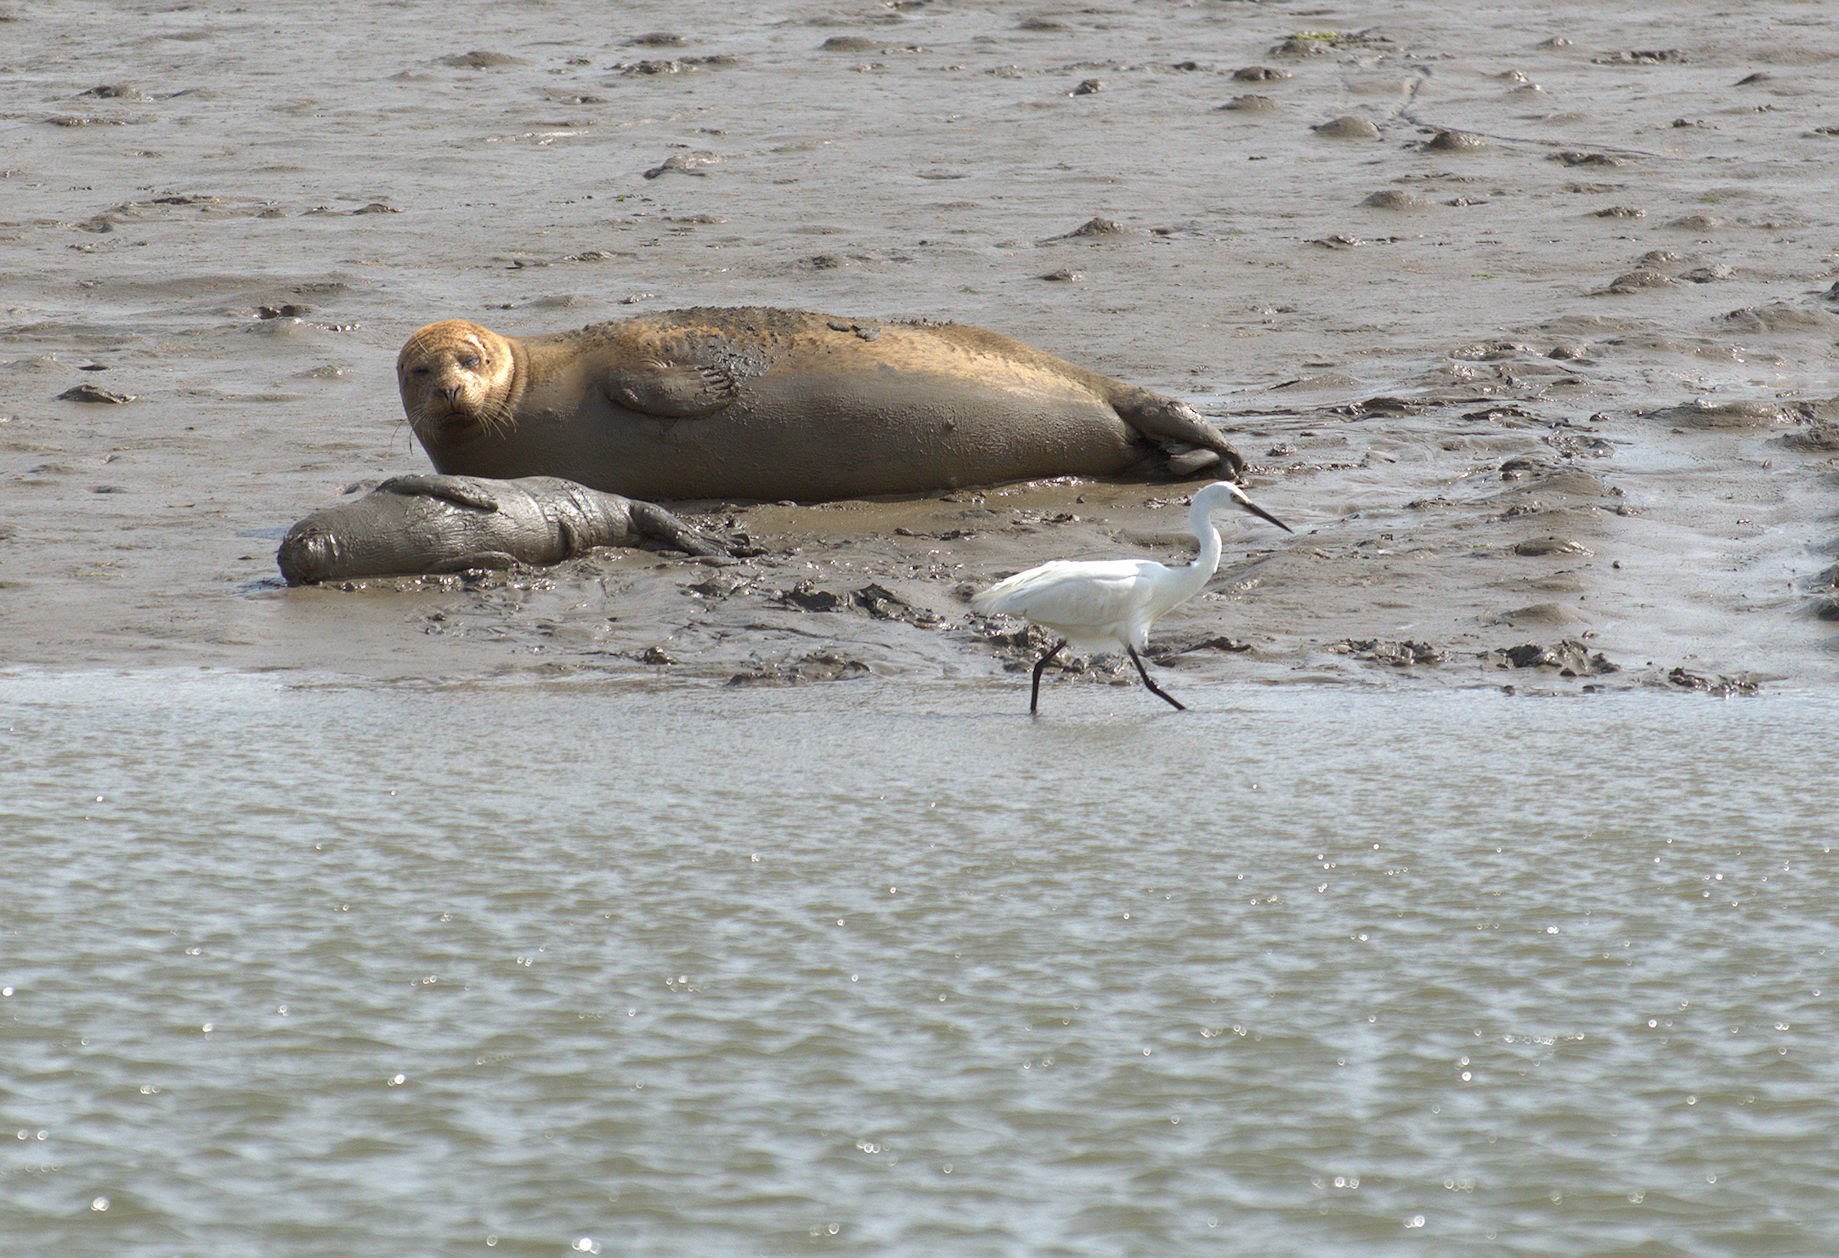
(1034, 695)
(1153, 687)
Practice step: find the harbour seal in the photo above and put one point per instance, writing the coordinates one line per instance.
(411, 525)
(756, 403)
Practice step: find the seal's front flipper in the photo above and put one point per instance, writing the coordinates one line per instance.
(495, 560)
(461, 491)
(1189, 440)
(673, 390)
(652, 521)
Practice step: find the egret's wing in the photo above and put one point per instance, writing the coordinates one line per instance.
(1071, 593)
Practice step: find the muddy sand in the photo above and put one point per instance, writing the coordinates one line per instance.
(1525, 322)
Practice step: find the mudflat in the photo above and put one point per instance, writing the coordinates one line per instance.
(1525, 322)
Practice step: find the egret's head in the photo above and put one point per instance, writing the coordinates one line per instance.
(1223, 493)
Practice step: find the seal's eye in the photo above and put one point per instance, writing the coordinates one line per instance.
(469, 361)
(418, 371)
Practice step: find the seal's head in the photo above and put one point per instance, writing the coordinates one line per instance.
(456, 381)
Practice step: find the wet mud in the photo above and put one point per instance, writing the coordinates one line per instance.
(1525, 324)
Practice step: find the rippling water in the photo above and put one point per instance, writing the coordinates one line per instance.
(878, 968)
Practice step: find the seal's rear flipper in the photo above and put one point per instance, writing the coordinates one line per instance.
(1182, 432)
(652, 521)
(1187, 464)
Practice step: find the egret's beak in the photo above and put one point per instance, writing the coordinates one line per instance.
(1261, 513)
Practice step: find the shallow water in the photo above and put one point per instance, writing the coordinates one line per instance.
(299, 965)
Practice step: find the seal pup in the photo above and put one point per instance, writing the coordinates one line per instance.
(757, 403)
(411, 525)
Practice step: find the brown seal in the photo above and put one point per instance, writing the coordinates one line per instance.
(776, 404)
(410, 525)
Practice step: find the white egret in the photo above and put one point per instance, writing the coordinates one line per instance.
(1096, 606)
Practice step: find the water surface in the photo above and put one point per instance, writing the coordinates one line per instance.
(306, 966)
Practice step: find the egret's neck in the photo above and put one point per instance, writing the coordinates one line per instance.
(1208, 561)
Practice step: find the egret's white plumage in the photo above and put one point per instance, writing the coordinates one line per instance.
(1097, 606)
